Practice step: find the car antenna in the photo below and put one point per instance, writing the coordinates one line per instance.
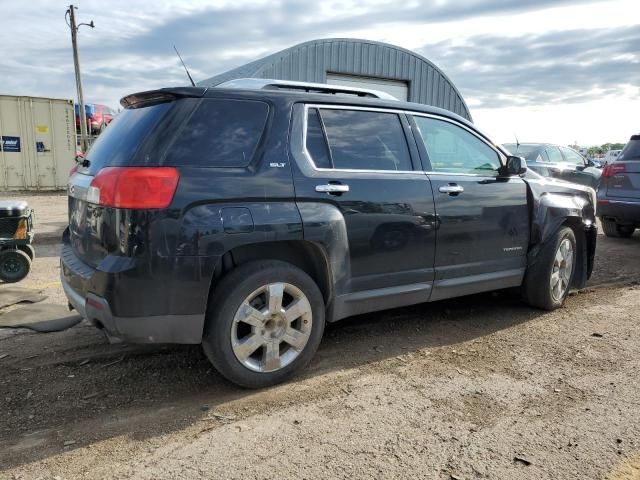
(517, 142)
(193, 84)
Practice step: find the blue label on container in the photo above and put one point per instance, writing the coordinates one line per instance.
(40, 147)
(10, 144)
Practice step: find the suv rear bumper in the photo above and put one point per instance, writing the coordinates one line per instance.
(186, 329)
(91, 293)
(622, 211)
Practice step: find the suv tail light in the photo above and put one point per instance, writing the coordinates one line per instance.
(613, 169)
(134, 187)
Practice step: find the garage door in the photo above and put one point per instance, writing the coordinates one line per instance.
(397, 88)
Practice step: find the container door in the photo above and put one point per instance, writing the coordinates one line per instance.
(40, 128)
(12, 154)
(63, 147)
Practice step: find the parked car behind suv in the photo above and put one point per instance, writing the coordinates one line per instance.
(619, 192)
(98, 117)
(245, 218)
(559, 162)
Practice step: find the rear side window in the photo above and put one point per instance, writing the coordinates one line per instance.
(554, 155)
(544, 156)
(316, 142)
(572, 157)
(117, 145)
(220, 133)
(359, 140)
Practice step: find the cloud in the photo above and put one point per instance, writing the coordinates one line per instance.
(131, 47)
(555, 67)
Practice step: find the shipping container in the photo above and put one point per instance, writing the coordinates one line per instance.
(37, 142)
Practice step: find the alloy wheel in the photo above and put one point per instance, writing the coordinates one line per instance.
(562, 269)
(271, 327)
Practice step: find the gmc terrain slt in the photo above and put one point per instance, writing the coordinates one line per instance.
(245, 216)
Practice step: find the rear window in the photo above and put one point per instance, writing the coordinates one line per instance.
(117, 145)
(220, 133)
(631, 151)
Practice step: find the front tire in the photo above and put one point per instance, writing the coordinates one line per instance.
(14, 265)
(548, 280)
(264, 323)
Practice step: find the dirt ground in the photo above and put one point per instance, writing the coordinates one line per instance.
(478, 387)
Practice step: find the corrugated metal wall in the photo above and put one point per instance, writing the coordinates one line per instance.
(311, 61)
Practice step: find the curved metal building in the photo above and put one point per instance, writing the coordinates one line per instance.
(357, 63)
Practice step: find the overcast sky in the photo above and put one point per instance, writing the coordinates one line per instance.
(558, 71)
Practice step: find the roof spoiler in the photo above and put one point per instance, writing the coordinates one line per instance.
(152, 97)
(271, 84)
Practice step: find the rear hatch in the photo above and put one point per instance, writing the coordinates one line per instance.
(105, 219)
(623, 175)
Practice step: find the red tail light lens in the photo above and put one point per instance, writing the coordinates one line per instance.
(613, 169)
(134, 187)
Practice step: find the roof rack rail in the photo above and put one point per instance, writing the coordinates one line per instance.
(271, 84)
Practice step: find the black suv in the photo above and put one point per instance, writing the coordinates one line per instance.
(244, 218)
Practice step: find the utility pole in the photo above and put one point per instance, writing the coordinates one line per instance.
(84, 140)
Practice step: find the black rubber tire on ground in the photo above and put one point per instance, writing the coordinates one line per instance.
(612, 229)
(229, 294)
(536, 288)
(29, 250)
(14, 265)
(625, 231)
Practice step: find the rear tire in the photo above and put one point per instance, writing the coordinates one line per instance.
(548, 279)
(253, 314)
(609, 228)
(14, 266)
(625, 231)
(612, 229)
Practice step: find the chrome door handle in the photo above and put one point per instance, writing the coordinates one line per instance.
(451, 189)
(332, 188)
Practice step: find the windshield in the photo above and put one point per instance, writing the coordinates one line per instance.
(631, 151)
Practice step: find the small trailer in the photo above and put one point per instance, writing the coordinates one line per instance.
(16, 235)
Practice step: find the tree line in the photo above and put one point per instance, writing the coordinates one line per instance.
(604, 148)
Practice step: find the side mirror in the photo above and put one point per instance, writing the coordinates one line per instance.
(516, 165)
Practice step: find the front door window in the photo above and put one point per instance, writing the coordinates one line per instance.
(452, 149)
